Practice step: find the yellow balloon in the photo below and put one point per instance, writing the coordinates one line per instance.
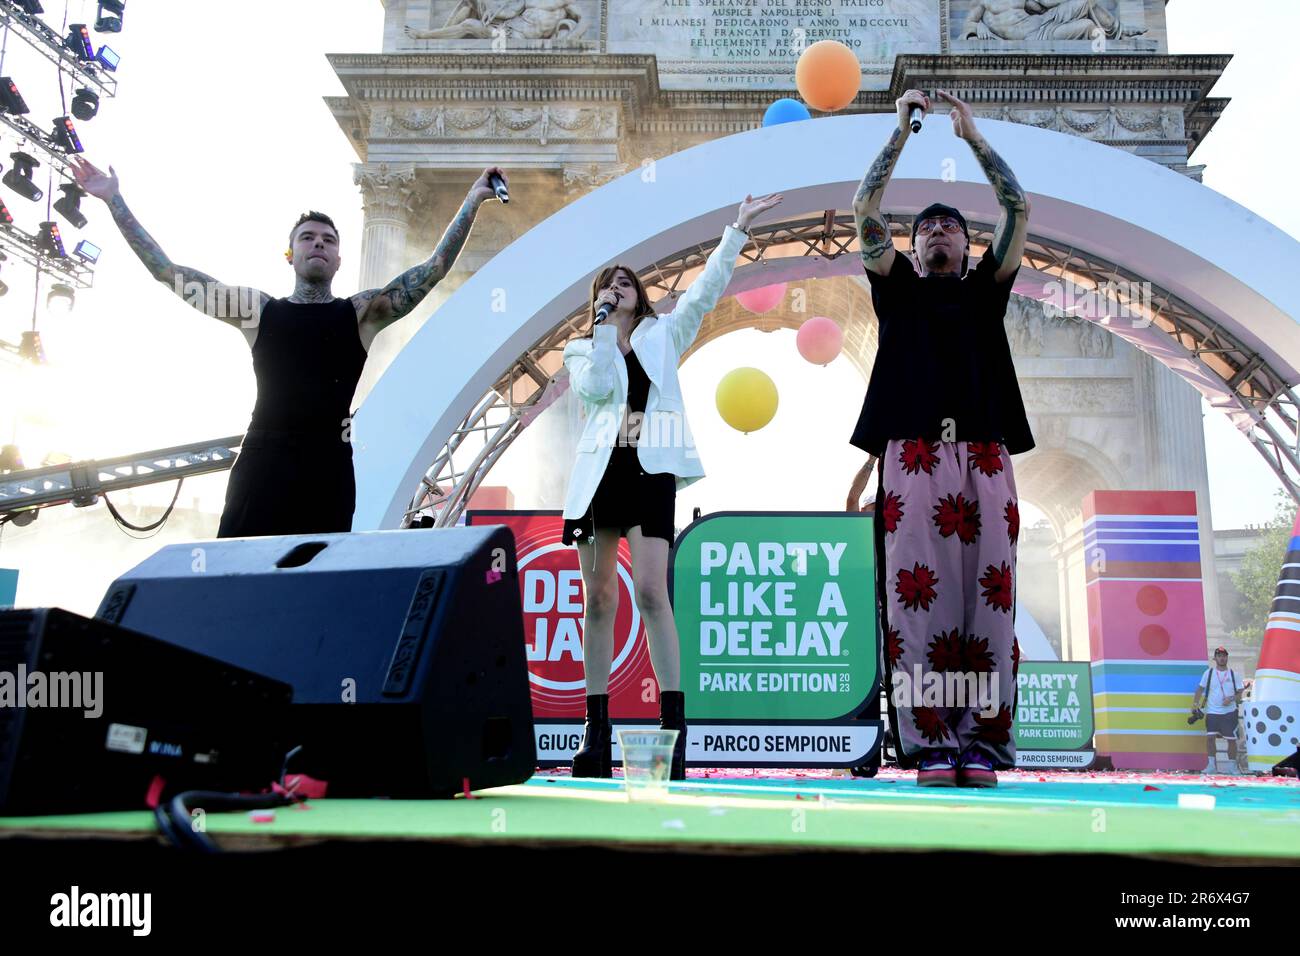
(746, 399)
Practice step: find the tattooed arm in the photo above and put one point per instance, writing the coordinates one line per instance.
(379, 308)
(1013, 226)
(239, 306)
(876, 246)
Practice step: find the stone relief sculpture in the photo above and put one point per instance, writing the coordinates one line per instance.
(515, 19)
(1044, 20)
(1110, 123)
(494, 121)
(1028, 325)
(1025, 324)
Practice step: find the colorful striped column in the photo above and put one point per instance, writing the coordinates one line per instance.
(1146, 626)
(1271, 731)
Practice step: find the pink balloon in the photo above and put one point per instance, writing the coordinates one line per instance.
(762, 300)
(819, 340)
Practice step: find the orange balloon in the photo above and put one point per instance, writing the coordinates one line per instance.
(828, 75)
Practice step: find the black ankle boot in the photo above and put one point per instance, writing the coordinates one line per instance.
(593, 757)
(672, 716)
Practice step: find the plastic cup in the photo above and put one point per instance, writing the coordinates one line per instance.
(647, 761)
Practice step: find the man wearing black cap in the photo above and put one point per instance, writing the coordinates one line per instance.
(943, 413)
(1220, 690)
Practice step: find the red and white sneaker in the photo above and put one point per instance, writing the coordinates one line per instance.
(936, 768)
(975, 769)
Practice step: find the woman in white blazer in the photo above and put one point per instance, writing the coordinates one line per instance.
(635, 453)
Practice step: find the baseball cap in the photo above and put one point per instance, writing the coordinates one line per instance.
(1220, 649)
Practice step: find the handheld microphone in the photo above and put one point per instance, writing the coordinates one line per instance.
(914, 118)
(605, 309)
(499, 187)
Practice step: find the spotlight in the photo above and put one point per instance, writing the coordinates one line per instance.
(69, 207)
(11, 101)
(84, 105)
(112, 23)
(30, 348)
(65, 135)
(6, 217)
(50, 242)
(108, 59)
(19, 179)
(78, 41)
(10, 459)
(87, 251)
(64, 295)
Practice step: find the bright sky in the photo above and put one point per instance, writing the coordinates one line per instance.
(221, 138)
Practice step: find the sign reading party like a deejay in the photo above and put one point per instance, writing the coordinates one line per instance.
(1053, 725)
(776, 617)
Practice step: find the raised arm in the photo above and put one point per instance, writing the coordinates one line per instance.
(702, 294)
(1013, 225)
(239, 306)
(876, 246)
(377, 309)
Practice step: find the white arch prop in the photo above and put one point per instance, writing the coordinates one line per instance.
(1219, 257)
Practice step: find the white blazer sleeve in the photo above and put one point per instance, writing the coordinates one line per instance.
(704, 292)
(591, 366)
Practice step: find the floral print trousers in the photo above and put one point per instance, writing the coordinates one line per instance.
(947, 520)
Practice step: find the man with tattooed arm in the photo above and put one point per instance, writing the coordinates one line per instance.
(294, 471)
(944, 415)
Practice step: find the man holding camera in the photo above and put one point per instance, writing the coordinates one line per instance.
(1220, 691)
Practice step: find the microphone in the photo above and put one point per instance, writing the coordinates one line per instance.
(914, 116)
(605, 309)
(499, 187)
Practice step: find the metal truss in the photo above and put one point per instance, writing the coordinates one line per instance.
(49, 43)
(81, 483)
(23, 246)
(535, 379)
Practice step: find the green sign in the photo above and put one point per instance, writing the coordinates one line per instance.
(777, 615)
(1053, 710)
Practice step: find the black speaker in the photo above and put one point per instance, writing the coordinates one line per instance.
(404, 649)
(91, 713)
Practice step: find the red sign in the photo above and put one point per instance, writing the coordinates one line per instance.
(551, 589)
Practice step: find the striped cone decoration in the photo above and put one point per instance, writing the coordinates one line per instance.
(1271, 730)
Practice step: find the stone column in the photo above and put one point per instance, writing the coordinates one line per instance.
(388, 192)
(1071, 560)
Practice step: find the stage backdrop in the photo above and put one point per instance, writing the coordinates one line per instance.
(776, 682)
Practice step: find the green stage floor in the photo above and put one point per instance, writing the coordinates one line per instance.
(1250, 820)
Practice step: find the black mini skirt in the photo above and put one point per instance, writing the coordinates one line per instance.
(627, 497)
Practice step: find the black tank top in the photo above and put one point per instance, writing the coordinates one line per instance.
(307, 358)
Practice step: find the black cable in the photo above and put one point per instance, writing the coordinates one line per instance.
(176, 823)
(124, 524)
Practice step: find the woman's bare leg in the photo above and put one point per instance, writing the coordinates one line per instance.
(598, 561)
(650, 577)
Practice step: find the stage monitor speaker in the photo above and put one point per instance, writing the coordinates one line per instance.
(404, 649)
(91, 713)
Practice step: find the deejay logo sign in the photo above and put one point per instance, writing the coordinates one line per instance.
(552, 599)
(551, 592)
